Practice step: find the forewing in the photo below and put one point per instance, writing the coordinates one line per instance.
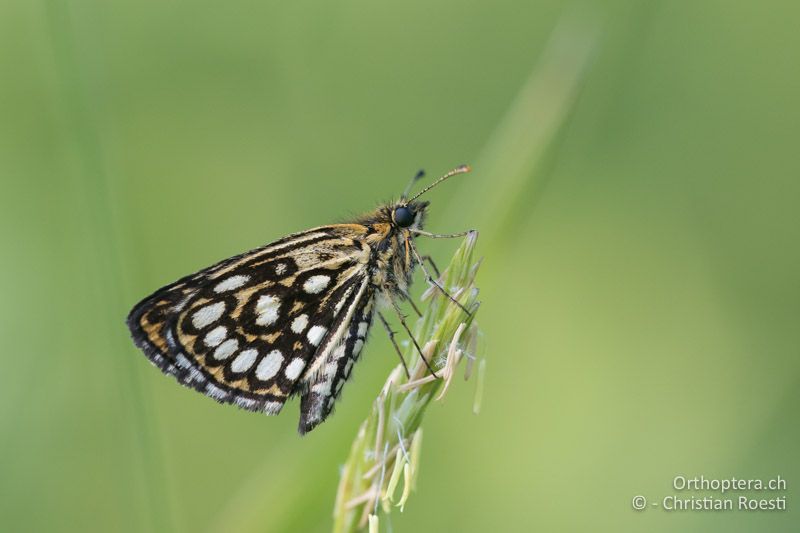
(244, 330)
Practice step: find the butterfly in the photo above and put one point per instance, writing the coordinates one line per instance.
(289, 318)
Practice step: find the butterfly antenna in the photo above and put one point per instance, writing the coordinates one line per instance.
(463, 169)
(418, 176)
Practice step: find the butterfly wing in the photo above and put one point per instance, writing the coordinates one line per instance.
(331, 366)
(255, 329)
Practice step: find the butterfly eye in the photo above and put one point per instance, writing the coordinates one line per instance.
(403, 217)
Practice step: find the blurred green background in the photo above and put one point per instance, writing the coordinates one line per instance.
(636, 185)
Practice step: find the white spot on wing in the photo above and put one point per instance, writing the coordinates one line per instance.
(315, 334)
(208, 314)
(269, 366)
(280, 268)
(233, 282)
(215, 336)
(323, 388)
(362, 328)
(267, 310)
(339, 351)
(331, 368)
(295, 367)
(299, 324)
(215, 392)
(195, 376)
(357, 346)
(247, 403)
(244, 360)
(226, 349)
(170, 339)
(272, 408)
(316, 284)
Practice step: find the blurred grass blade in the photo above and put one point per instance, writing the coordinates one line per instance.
(107, 263)
(521, 139)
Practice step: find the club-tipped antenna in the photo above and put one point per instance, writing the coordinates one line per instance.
(418, 176)
(463, 169)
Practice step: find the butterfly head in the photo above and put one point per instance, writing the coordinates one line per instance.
(409, 214)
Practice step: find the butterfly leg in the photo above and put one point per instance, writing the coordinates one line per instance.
(429, 259)
(407, 297)
(413, 339)
(441, 235)
(432, 281)
(394, 343)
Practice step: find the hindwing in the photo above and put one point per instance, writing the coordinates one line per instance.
(332, 363)
(256, 328)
